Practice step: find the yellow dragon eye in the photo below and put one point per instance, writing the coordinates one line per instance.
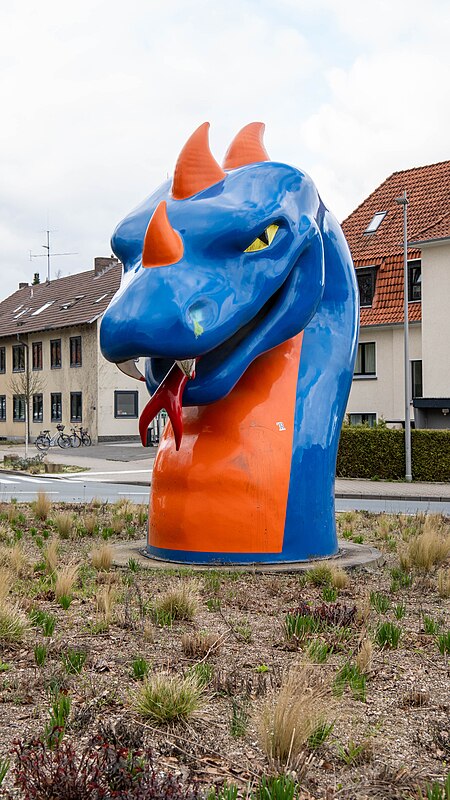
(263, 240)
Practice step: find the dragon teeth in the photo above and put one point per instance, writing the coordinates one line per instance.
(187, 366)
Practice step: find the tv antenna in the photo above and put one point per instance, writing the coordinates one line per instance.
(48, 254)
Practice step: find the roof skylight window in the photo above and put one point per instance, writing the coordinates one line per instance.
(24, 311)
(375, 222)
(42, 308)
(101, 298)
(69, 303)
(17, 309)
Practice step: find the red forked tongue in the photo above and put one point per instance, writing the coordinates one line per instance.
(169, 395)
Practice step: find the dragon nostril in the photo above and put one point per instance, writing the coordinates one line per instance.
(202, 315)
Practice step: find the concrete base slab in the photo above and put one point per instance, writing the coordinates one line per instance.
(350, 556)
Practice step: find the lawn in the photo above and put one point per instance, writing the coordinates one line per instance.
(337, 681)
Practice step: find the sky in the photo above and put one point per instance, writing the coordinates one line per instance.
(98, 97)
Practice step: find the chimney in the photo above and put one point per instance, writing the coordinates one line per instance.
(23, 285)
(102, 265)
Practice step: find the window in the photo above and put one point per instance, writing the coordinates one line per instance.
(125, 404)
(375, 222)
(18, 408)
(365, 359)
(2, 359)
(416, 379)
(56, 406)
(362, 419)
(37, 355)
(75, 351)
(18, 358)
(366, 285)
(42, 308)
(55, 353)
(2, 407)
(414, 281)
(75, 407)
(38, 408)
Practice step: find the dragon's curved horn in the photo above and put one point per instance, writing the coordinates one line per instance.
(247, 147)
(196, 167)
(162, 244)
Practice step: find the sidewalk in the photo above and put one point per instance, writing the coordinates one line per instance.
(129, 462)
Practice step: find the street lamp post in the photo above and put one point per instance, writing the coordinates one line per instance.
(403, 201)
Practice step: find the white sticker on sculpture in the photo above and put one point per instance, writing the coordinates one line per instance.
(281, 426)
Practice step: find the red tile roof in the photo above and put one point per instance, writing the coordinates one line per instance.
(428, 191)
(72, 301)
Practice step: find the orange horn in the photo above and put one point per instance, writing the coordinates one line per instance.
(247, 147)
(162, 244)
(196, 167)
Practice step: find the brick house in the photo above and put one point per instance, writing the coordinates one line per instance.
(374, 232)
(53, 329)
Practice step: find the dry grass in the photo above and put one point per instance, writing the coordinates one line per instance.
(142, 515)
(165, 698)
(42, 506)
(338, 576)
(65, 579)
(102, 557)
(13, 623)
(90, 524)
(105, 599)
(429, 548)
(364, 656)
(51, 557)
(5, 535)
(289, 717)
(443, 583)
(179, 603)
(15, 560)
(199, 643)
(64, 524)
(6, 581)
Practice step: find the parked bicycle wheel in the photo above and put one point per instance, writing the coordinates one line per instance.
(75, 440)
(86, 439)
(63, 440)
(42, 442)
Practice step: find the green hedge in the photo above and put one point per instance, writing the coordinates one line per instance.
(380, 453)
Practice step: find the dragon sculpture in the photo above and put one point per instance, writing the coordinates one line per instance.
(239, 290)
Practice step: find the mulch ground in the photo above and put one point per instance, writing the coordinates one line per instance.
(382, 746)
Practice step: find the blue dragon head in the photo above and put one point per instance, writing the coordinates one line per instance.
(220, 266)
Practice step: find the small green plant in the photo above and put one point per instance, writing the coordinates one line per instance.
(435, 791)
(3, 666)
(226, 792)
(400, 610)
(244, 629)
(443, 642)
(320, 575)
(4, 767)
(319, 651)
(59, 716)
(277, 787)
(430, 626)
(166, 698)
(380, 602)
(202, 673)
(213, 604)
(40, 654)
(43, 620)
(358, 539)
(350, 675)
(73, 661)
(401, 579)
(355, 753)
(262, 668)
(65, 601)
(320, 735)
(388, 635)
(133, 565)
(239, 717)
(300, 625)
(329, 594)
(140, 668)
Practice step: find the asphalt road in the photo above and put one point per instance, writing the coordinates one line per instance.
(81, 488)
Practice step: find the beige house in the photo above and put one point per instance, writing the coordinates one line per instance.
(49, 350)
(374, 232)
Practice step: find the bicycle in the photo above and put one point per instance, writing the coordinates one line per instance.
(75, 438)
(59, 439)
(85, 438)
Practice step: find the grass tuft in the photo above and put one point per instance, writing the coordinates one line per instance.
(167, 697)
(388, 635)
(443, 583)
(13, 624)
(42, 506)
(64, 524)
(50, 556)
(65, 579)
(429, 548)
(177, 604)
(199, 644)
(102, 557)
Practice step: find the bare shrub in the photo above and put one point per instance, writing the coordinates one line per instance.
(64, 524)
(199, 643)
(102, 557)
(51, 557)
(65, 579)
(42, 506)
(364, 656)
(287, 718)
(443, 583)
